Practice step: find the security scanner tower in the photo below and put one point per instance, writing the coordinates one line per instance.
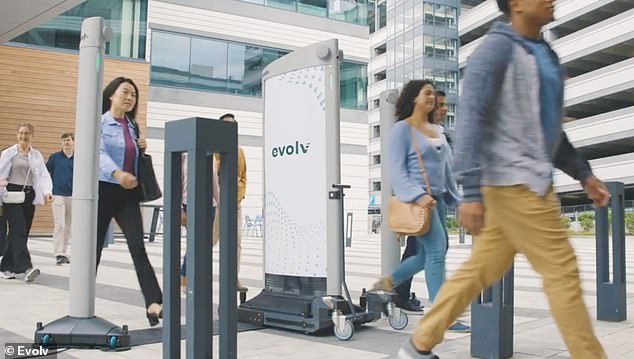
(303, 200)
(81, 328)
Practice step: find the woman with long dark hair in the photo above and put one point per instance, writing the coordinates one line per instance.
(413, 133)
(118, 192)
(22, 169)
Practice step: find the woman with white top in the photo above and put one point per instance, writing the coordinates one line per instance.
(22, 169)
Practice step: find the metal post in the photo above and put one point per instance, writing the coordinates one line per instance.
(156, 211)
(611, 294)
(390, 251)
(82, 328)
(492, 320)
(348, 229)
(85, 179)
(171, 255)
(199, 276)
(200, 137)
(228, 254)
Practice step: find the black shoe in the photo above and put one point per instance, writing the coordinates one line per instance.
(59, 260)
(408, 306)
(66, 260)
(416, 301)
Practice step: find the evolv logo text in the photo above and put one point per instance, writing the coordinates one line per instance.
(290, 150)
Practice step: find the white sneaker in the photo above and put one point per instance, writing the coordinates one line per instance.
(31, 274)
(8, 275)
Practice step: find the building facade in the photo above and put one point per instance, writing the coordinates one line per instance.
(39, 75)
(205, 58)
(412, 40)
(595, 42)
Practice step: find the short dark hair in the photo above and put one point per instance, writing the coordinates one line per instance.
(441, 93)
(68, 134)
(405, 102)
(504, 6)
(227, 115)
(111, 88)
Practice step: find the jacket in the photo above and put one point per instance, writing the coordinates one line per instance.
(499, 135)
(42, 183)
(112, 148)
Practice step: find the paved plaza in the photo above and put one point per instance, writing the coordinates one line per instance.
(120, 301)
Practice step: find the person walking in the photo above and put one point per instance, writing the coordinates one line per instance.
(509, 140)
(22, 169)
(118, 193)
(407, 300)
(414, 134)
(60, 166)
(242, 188)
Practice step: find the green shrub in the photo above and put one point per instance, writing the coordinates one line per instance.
(586, 220)
(629, 223)
(565, 222)
(452, 223)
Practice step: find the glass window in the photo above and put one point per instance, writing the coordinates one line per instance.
(127, 18)
(353, 81)
(452, 17)
(372, 16)
(440, 16)
(313, 7)
(428, 13)
(428, 43)
(208, 69)
(352, 11)
(245, 69)
(170, 59)
(376, 131)
(283, 4)
(214, 65)
(382, 15)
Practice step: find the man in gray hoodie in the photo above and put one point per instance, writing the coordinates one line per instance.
(509, 140)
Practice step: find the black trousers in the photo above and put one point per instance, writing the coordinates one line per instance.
(19, 216)
(3, 232)
(123, 205)
(403, 290)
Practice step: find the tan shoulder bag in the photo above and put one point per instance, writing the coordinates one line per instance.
(410, 218)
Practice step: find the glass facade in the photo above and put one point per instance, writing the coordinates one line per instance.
(422, 43)
(377, 15)
(127, 18)
(352, 11)
(206, 64)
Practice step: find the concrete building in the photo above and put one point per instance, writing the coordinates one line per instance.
(411, 40)
(204, 58)
(595, 41)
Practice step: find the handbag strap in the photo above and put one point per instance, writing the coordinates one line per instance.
(420, 160)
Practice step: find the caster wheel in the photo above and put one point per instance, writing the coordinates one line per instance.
(112, 342)
(346, 332)
(399, 323)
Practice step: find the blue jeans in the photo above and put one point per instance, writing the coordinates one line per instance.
(404, 289)
(431, 249)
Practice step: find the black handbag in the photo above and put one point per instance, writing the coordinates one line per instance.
(149, 189)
